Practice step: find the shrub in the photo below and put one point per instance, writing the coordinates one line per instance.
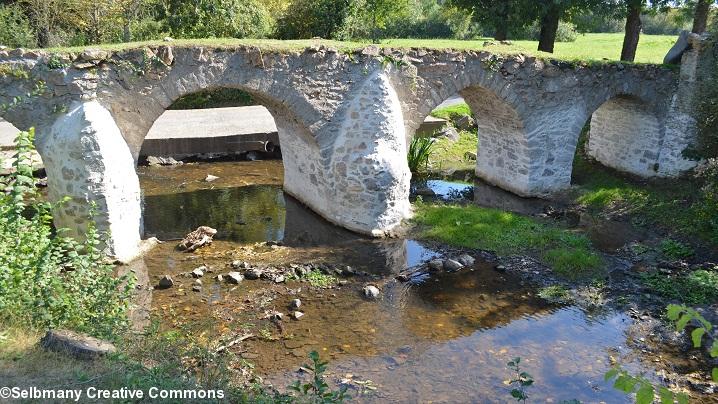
(310, 18)
(15, 28)
(48, 280)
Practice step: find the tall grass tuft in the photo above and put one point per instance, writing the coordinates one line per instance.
(419, 151)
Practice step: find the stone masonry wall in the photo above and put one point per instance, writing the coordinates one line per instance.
(344, 119)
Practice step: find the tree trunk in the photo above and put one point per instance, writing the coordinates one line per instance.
(502, 29)
(549, 26)
(700, 19)
(43, 37)
(633, 33)
(127, 32)
(502, 33)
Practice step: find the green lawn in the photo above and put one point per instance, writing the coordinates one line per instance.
(594, 47)
(569, 254)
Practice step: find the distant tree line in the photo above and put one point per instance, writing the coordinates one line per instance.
(46, 23)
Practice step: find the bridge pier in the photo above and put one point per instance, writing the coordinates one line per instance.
(89, 163)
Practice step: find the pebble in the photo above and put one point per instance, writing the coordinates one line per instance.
(197, 288)
(297, 315)
(371, 291)
(198, 272)
(279, 279)
(436, 265)
(466, 259)
(295, 304)
(254, 273)
(234, 277)
(240, 265)
(452, 265)
(210, 178)
(500, 268)
(166, 282)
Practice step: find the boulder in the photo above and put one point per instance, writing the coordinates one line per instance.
(465, 122)
(448, 132)
(76, 344)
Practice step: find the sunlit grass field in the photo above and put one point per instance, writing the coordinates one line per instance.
(588, 47)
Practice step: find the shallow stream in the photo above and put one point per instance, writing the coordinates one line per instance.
(444, 340)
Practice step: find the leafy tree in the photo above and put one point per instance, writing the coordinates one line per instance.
(216, 18)
(311, 18)
(501, 15)
(15, 29)
(45, 16)
(367, 18)
(551, 12)
(700, 19)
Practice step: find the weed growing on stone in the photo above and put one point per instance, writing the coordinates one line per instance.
(508, 233)
(555, 294)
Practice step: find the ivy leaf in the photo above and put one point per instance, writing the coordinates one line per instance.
(645, 394)
(673, 311)
(665, 395)
(610, 374)
(683, 322)
(697, 336)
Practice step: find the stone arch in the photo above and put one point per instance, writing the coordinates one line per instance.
(503, 152)
(625, 134)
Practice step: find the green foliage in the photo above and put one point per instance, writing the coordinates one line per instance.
(15, 28)
(317, 390)
(447, 154)
(217, 19)
(508, 233)
(521, 380)
(673, 249)
(223, 97)
(452, 112)
(367, 18)
(313, 18)
(555, 294)
(419, 151)
(48, 280)
(319, 279)
(683, 316)
(642, 387)
(697, 287)
(566, 32)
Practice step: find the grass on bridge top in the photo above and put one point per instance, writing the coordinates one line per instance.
(588, 47)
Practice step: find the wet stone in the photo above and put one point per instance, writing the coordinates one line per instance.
(234, 277)
(198, 272)
(166, 282)
(240, 265)
(452, 265)
(466, 260)
(371, 292)
(436, 265)
(197, 288)
(254, 273)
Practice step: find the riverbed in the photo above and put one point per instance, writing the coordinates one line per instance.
(442, 338)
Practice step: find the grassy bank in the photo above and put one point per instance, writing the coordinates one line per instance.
(569, 254)
(588, 47)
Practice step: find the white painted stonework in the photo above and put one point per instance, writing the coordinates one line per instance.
(344, 121)
(88, 161)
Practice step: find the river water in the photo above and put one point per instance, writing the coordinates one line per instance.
(447, 339)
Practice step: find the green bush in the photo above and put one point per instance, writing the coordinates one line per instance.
(219, 19)
(48, 280)
(697, 287)
(311, 18)
(15, 28)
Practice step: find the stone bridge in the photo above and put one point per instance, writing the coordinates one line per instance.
(344, 120)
